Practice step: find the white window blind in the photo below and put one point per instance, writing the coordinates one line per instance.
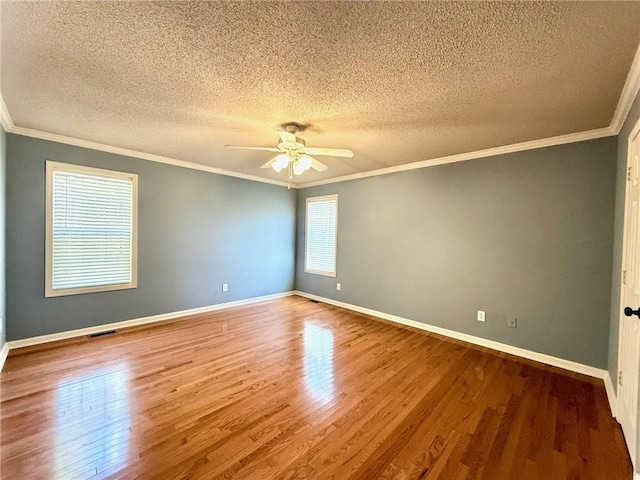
(321, 235)
(91, 229)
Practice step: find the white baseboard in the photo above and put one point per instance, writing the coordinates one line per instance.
(502, 347)
(611, 395)
(27, 342)
(521, 352)
(3, 355)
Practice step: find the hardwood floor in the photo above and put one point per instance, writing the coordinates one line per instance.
(293, 389)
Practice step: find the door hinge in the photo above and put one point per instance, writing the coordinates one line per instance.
(628, 173)
(620, 377)
(624, 277)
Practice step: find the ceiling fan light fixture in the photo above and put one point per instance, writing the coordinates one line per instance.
(306, 161)
(298, 168)
(281, 161)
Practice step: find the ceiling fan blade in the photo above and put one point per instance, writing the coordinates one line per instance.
(268, 164)
(266, 149)
(318, 166)
(334, 152)
(287, 137)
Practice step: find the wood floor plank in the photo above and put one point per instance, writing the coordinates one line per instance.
(294, 389)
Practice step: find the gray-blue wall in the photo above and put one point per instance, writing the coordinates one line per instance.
(3, 175)
(623, 139)
(528, 234)
(196, 230)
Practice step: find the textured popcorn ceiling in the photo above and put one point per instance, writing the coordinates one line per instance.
(396, 82)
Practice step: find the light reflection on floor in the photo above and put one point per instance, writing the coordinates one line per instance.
(92, 423)
(318, 362)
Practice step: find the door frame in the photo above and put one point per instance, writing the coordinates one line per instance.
(634, 456)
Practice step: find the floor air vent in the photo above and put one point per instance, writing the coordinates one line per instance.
(101, 334)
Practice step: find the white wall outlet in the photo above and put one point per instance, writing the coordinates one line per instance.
(481, 316)
(225, 287)
(512, 322)
(338, 286)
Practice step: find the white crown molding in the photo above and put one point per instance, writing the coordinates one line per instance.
(54, 337)
(461, 157)
(3, 355)
(516, 147)
(628, 95)
(5, 118)
(483, 342)
(53, 137)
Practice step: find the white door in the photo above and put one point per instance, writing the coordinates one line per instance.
(629, 345)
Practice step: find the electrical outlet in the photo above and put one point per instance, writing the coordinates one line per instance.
(338, 286)
(481, 316)
(225, 287)
(512, 322)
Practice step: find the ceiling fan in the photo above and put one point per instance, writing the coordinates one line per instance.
(294, 155)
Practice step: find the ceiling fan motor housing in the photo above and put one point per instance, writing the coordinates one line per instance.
(299, 145)
(292, 128)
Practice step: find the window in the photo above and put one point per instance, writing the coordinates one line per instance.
(321, 235)
(91, 235)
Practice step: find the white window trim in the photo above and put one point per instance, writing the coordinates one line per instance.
(306, 213)
(48, 288)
